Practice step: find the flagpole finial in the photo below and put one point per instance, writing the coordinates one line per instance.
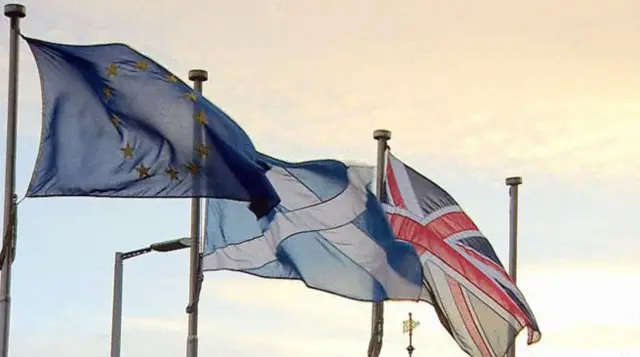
(382, 134)
(513, 181)
(409, 326)
(198, 75)
(15, 10)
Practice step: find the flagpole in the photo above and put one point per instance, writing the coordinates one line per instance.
(198, 76)
(15, 12)
(377, 312)
(513, 183)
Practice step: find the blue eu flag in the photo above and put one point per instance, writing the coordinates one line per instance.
(118, 124)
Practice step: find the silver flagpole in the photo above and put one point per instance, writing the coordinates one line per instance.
(15, 12)
(377, 312)
(198, 76)
(513, 183)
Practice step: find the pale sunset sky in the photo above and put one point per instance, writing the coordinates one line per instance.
(473, 91)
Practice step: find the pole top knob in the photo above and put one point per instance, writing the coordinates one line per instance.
(513, 181)
(382, 134)
(198, 75)
(15, 11)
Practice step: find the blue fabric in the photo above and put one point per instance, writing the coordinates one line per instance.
(117, 124)
(330, 259)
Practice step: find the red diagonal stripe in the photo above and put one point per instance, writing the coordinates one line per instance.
(467, 317)
(440, 228)
(423, 240)
(394, 189)
(486, 261)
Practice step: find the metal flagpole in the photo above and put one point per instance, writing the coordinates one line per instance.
(198, 76)
(15, 12)
(513, 183)
(377, 312)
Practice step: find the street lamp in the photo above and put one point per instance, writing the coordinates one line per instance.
(116, 319)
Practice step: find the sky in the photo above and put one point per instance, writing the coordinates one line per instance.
(473, 92)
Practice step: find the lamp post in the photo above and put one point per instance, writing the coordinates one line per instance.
(116, 319)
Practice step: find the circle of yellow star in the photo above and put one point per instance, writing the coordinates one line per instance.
(112, 70)
(171, 78)
(143, 171)
(127, 151)
(201, 118)
(116, 121)
(191, 96)
(194, 169)
(107, 93)
(202, 150)
(173, 173)
(142, 65)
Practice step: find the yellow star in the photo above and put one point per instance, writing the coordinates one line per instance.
(108, 94)
(112, 70)
(173, 173)
(143, 171)
(116, 121)
(127, 151)
(194, 169)
(202, 150)
(142, 65)
(171, 78)
(191, 96)
(201, 118)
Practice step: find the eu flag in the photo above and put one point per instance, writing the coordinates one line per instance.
(118, 124)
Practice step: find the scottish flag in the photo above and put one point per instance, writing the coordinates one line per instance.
(117, 124)
(329, 231)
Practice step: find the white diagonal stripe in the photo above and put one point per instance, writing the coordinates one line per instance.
(293, 194)
(331, 219)
(327, 215)
(404, 185)
(428, 258)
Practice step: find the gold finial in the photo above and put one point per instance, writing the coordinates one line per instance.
(409, 326)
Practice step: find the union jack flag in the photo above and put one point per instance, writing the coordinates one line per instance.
(474, 297)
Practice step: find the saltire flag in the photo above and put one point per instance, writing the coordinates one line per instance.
(473, 295)
(329, 231)
(115, 123)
